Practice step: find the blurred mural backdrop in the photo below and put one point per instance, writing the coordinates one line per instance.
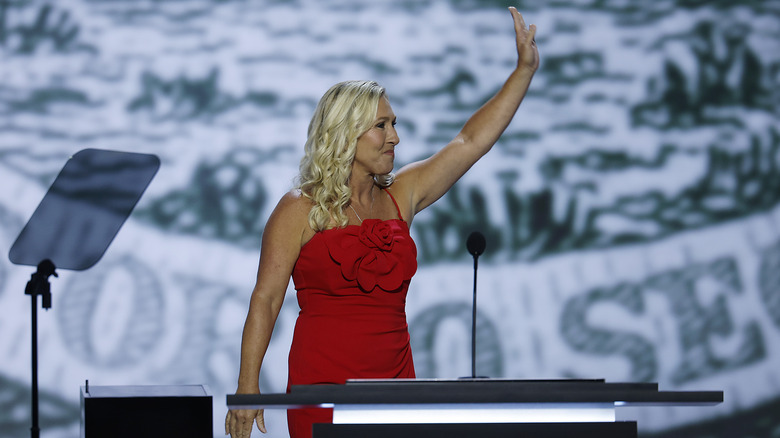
(632, 209)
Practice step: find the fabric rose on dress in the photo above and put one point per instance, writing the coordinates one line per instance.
(376, 254)
(376, 234)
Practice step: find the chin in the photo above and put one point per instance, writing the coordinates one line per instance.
(386, 171)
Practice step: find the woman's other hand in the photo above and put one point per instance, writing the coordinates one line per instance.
(238, 422)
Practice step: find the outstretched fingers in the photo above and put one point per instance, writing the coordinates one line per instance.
(518, 18)
(526, 40)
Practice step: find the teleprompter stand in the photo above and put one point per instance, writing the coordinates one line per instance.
(75, 223)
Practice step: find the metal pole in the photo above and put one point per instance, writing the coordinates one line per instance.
(38, 285)
(34, 430)
(474, 326)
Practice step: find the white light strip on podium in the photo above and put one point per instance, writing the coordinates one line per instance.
(474, 413)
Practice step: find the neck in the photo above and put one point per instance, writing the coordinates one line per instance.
(364, 191)
(362, 201)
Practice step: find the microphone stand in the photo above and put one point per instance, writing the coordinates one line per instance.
(476, 246)
(474, 324)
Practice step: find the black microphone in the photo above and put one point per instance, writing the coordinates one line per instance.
(475, 244)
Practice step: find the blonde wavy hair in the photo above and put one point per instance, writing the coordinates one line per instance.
(344, 113)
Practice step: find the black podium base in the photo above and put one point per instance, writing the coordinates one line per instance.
(146, 411)
(620, 429)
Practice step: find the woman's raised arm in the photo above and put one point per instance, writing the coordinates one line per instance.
(426, 181)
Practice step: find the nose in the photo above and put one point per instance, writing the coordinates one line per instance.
(392, 136)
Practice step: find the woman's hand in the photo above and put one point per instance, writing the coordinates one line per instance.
(527, 54)
(238, 422)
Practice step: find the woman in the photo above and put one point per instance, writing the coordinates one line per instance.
(343, 237)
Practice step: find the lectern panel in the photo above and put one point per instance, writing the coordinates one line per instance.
(470, 430)
(474, 413)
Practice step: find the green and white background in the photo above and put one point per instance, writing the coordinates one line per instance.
(632, 208)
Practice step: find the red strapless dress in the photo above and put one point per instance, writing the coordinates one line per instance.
(352, 285)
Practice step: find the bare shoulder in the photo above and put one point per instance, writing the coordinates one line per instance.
(291, 215)
(281, 244)
(427, 180)
(402, 191)
(294, 202)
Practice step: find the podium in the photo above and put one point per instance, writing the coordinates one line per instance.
(475, 407)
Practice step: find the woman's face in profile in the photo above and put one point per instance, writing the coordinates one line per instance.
(376, 147)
